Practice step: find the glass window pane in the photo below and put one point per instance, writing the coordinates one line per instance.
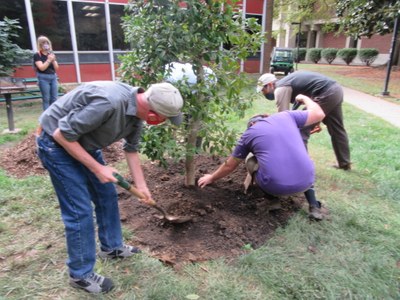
(90, 25)
(116, 12)
(51, 20)
(94, 58)
(15, 9)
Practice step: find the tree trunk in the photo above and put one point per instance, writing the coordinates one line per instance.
(268, 34)
(194, 126)
(190, 164)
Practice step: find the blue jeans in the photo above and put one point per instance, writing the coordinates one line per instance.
(76, 188)
(48, 87)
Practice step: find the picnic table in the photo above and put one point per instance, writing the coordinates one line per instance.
(9, 86)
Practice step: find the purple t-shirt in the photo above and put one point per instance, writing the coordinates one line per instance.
(284, 165)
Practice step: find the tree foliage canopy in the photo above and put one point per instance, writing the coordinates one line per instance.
(212, 33)
(367, 17)
(305, 10)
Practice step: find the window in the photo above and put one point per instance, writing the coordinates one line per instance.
(15, 9)
(90, 25)
(118, 38)
(51, 20)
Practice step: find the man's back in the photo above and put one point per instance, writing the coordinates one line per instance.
(284, 165)
(307, 83)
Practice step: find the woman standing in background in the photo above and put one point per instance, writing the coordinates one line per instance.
(46, 66)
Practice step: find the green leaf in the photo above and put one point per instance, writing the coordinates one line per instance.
(193, 35)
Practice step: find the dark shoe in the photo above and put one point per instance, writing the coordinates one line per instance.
(94, 284)
(315, 213)
(345, 167)
(124, 251)
(274, 204)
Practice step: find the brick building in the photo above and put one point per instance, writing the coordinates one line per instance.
(313, 36)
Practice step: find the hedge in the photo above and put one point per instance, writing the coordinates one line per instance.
(302, 54)
(329, 54)
(368, 55)
(314, 54)
(347, 54)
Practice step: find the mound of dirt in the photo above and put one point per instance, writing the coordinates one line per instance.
(21, 161)
(225, 222)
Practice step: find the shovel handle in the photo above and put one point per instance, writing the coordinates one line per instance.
(126, 185)
(122, 182)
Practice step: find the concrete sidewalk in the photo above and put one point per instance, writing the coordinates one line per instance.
(388, 111)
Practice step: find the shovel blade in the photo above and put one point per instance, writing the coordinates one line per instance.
(174, 219)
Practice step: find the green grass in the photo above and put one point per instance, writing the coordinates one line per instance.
(26, 116)
(354, 255)
(371, 84)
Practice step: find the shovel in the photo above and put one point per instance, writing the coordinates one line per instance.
(130, 188)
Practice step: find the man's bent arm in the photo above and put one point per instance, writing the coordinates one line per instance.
(283, 95)
(315, 112)
(225, 169)
(103, 173)
(136, 170)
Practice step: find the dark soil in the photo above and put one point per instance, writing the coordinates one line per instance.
(225, 222)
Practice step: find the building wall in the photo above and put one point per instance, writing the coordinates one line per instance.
(380, 42)
(332, 40)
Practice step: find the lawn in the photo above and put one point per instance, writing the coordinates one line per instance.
(370, 80)
(353, 255)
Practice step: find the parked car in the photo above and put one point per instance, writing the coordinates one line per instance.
(282, 60)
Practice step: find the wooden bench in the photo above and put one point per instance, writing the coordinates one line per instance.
(31, 91)
(18, 89)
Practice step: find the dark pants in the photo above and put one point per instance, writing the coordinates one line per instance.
(331, 103)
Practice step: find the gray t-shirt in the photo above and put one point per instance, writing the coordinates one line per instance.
(307, 83)
(96, 114)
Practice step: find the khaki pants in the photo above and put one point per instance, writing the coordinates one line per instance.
(251, 167)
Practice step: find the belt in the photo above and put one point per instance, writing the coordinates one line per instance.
(44, 135)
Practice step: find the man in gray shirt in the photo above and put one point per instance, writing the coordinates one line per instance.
(323, 90)
(74, 129)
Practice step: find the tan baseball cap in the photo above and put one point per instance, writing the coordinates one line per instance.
(166, 100)
(264, 80)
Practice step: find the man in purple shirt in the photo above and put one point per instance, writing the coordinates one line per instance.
(275, 154)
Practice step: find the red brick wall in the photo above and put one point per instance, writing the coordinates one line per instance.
(254, 7)
(251, 66)
(66, 73)
(331, 40)
(380, 42)
(91, 72)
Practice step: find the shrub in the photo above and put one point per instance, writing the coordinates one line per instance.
(368, 55)
(302, 54)
(314, 54)
(10, 53)
(347, 54)
(329, 54)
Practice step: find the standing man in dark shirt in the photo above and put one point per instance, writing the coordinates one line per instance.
(74, 130)
(46, 67)
(323, 90)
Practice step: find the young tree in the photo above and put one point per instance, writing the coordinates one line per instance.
(10, 53)
(207, 32)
